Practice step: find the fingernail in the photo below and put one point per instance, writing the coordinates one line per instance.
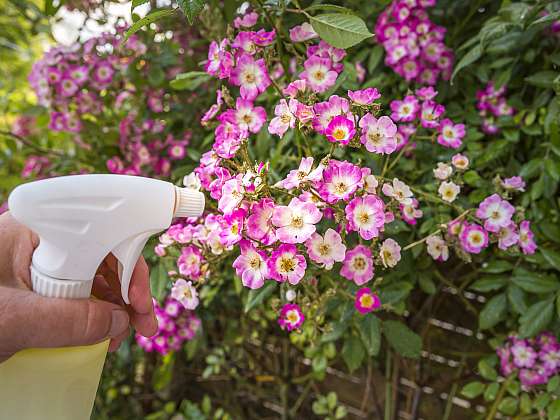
(119, 322)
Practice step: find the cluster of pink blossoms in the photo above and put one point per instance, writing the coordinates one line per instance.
(492, 104)
(175, 326)
(422, 110)
(534, 361)
(494, 216)
(146, 149)
(413, 44)
(73, 80)
(326, 214)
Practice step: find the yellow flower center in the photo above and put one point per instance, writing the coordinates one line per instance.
(339, 134)
(324, 249)
(297, 222)
(319, 75)
(366, 301)
(287, 264)
(359, 263)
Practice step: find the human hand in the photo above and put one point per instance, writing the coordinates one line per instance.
(29, 320)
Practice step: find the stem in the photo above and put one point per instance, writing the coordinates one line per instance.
(32, 145)
(501, 392)
(387, 415)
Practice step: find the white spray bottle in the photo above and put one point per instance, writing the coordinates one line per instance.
(80, 219)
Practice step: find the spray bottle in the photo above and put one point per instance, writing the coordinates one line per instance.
(80, 219)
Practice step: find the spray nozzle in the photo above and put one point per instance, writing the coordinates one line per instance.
(82, 218)
(188, 202)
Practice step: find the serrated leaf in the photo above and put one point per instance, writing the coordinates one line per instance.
(508, 406)
(370, 331)
(534, 282)
(488, 283)
(147, 20)
(553, 410)
(516, 298)
(340, 30)
(536, 319)
(375, 58)
(329, 8)
(542, 79)
(487, 371)
(190, 80)
(191, 8)
(552, 257)
(474, 54)
(353, 353)
(497, 266)
(257, 296)
(405, 341)
(136, 3)
(493, 312)
(473, 390)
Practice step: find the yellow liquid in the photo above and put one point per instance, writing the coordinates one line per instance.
(51, 384)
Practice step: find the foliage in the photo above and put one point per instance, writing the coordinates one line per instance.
(504, 87)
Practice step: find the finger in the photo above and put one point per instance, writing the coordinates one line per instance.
(139, 293)
(145, 324)
(48, 322)
(117, 341)
(22, 253)
(101, 289)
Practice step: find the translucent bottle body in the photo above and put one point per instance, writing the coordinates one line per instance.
(51, 384)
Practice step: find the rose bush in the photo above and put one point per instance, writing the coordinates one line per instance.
(347, 200)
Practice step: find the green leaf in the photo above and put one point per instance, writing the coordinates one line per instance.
(469, 58)
(158, 281)
(191, 8)
(473, 178)
(508, 406)
(136, 3)
(427, 284)
(340, 30)
(491, 392)
(338, 329)
(542, 79)
(257, 296)
(370, 331)
(534, 283)
(497, 266)
(473, 390)
(487, 371)
(319, 363)
(553, 410)
(552, 257)
(353, 353)
(375, 58)
(331, 400)
(329, 8)
(536, 319)
(553, 384)
(190, 80)
(394, 292)
(405, 341)
(516, 298)
(525, 403)
(488, 283)
(146, 20)
(493, 312)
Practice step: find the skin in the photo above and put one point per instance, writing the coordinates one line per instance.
(28, 320)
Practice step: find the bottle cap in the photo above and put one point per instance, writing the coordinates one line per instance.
(58, 288)
(188, 202)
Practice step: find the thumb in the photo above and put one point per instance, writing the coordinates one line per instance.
(50, 322)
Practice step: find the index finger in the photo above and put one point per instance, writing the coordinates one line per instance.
(144, 319)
